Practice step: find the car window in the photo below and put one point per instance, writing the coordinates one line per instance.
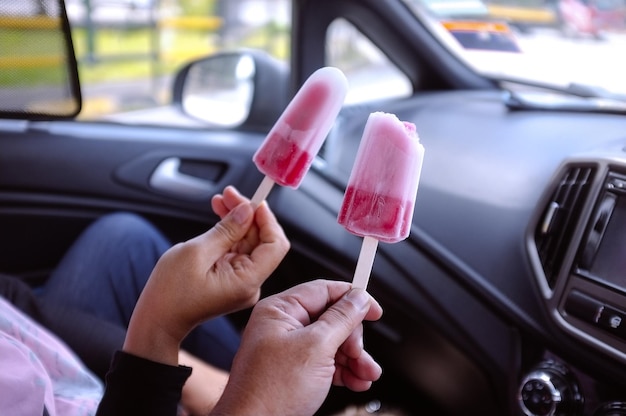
(129, 50)
(370, 74)
(38, 75)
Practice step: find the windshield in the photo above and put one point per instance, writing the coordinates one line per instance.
(129, 50)
(556, 42)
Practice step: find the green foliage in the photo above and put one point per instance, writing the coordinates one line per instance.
(31, 58)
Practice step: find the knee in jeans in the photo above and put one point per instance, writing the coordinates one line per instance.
(127, 226)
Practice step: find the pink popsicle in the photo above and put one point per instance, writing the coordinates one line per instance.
(380, 197)
(287, 152)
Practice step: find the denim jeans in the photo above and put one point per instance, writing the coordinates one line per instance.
(105, 270)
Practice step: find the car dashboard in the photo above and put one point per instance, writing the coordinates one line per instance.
(509, 295)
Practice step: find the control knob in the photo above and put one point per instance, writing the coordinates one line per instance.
(550, 389)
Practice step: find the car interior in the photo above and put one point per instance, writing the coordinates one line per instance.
(507, 298)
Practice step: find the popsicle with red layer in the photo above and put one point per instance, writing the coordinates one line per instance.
(287, 152)
(379, 200)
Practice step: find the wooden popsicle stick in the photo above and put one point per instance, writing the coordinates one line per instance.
(364, 263)
(262, 191)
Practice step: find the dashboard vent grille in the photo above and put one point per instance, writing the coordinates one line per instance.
(553, 235)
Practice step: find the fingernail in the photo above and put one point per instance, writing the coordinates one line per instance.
(359, 298)
(241, 213)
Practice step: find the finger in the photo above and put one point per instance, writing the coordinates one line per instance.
(269, 228)
(375, 312)
(223, 203)
(218, 206)
(232, 197)
(306, 301)
(344, 317)
(227, 232)
(356, 374)
(365, 367)
(265, 242)
(353, 346)
(343, 377)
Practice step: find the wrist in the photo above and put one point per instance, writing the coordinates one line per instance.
(239, 401)
(149, 340)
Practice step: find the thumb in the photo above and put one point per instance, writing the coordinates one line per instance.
(231, 229)
(342, 318)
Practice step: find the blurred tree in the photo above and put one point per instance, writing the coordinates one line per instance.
(197, 7)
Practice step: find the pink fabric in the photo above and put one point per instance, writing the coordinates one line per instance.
(37, 371)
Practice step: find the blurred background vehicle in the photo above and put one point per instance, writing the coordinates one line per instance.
(591, 17)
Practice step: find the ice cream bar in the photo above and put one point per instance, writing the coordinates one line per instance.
(287, 152)
(380, 196)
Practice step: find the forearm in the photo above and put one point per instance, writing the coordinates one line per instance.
(204, 387)
(147, 339)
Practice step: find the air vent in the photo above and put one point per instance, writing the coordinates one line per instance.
(554, 232)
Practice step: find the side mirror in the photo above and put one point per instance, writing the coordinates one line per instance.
(246, 89)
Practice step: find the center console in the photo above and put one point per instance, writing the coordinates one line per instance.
(594, 296)
(578, 250)
(577, 247)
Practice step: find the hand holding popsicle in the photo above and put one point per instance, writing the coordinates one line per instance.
(291, 145)
(380, 197)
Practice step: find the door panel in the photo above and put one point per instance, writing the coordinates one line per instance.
(56, 178)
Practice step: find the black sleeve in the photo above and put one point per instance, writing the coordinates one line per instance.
(136, 386)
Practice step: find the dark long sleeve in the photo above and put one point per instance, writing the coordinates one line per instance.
(136, 386)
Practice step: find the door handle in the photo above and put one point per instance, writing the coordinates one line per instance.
(168, 178)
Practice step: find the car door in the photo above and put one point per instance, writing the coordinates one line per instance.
(57, 178)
